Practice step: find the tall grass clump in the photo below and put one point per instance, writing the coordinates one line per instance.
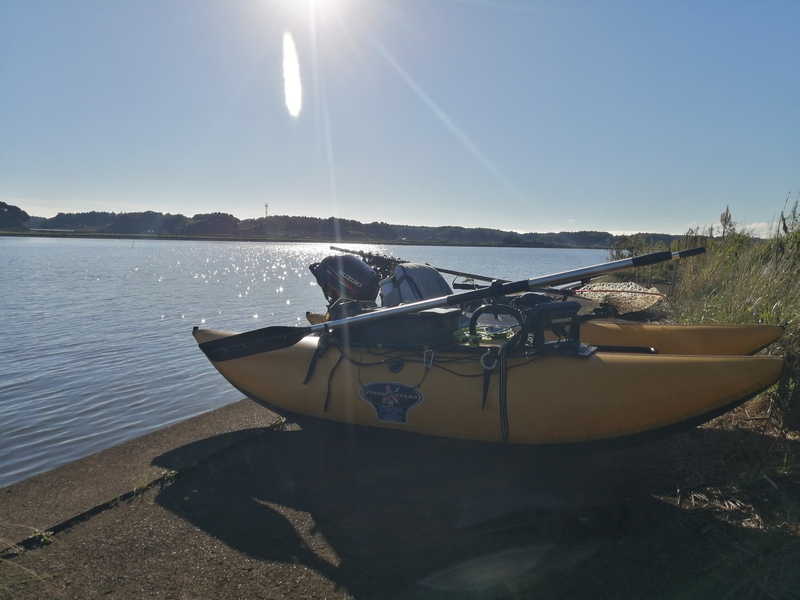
(741, 279)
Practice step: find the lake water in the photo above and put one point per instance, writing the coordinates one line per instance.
(97, 346)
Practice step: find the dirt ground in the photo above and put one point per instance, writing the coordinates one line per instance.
(329, 511)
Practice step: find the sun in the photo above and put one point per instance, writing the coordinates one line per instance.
(326, 9)
(313, 7)
(325, 4)
(293, 89)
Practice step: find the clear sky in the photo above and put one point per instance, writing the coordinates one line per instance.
(523, 115)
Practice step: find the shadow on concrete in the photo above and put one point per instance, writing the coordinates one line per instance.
(386, 514)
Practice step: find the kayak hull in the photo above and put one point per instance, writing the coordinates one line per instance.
(681, 339)
(537, 398)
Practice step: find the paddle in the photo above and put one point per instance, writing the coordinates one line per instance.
(277, 337)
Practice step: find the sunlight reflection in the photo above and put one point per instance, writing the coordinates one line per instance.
(448, 122)
(291, 76)
(488, 573)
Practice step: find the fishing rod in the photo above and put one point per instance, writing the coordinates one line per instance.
(380, 262)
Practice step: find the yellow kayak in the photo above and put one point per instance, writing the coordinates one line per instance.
(525, 397)
(681, 339)
(537, 373)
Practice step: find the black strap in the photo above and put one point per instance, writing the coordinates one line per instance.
(487, 377)
(330, 378)
(498, 357)
(488, 369)
(322, 346)
(416, 292)
(503, 394)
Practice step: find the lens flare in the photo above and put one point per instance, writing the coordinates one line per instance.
(293, 91)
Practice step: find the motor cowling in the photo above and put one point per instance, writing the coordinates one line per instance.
(346, 277)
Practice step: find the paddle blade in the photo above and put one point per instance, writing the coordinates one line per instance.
(253, 342)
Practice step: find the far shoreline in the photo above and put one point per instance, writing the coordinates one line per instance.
(287, 239)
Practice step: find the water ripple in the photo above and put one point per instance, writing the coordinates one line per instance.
(97, 332)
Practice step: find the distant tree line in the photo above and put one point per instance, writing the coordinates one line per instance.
(12, 217)
(139, 223)
(302, 228)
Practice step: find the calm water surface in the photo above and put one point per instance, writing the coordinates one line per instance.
(97, 333)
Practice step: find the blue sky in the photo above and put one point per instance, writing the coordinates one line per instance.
(624, 116)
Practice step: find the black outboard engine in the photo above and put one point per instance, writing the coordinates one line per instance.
(346, 278)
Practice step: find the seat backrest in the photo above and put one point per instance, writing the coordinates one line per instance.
(412, 282)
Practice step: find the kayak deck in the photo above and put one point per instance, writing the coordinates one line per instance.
(670, 338)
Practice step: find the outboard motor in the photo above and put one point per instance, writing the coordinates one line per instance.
(346, 278)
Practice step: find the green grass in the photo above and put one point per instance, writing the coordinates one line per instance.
(740, 279)
(751, 486)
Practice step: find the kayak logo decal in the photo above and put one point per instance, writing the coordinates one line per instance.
(391, 400)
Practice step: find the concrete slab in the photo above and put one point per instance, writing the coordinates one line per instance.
(43, 501)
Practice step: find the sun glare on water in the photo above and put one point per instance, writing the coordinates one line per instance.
(293, 90)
